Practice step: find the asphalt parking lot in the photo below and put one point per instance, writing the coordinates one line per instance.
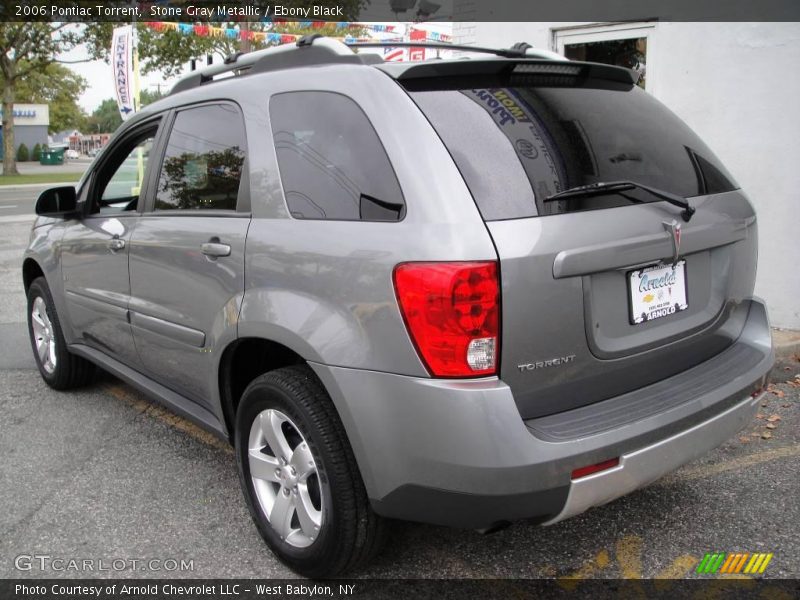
(103, 473)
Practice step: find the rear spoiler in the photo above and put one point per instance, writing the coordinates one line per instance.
(463, 73)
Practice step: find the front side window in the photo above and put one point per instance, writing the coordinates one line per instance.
(203, 161)
(332, 164)
(121, 181)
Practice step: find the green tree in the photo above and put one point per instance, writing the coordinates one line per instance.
(22, 153)
(59, 87)
(26, 49)
(105, 118)
(37, 153)
(149, 96)
(169, 50)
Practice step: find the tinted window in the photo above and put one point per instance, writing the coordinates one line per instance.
(332, 164)
(524, 144)
(203, 161)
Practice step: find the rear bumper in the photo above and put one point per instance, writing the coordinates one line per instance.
(640, 467)
(457, 452)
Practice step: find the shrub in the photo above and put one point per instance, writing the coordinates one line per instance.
(22, 153)
(37, 152)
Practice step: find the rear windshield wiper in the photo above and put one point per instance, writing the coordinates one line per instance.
(617, 187)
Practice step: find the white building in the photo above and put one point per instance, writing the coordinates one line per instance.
(30, 125)
(737, 85)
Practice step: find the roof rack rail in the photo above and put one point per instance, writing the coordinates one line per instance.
(315, 49)
(307, 51)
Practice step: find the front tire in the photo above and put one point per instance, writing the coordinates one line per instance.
(59, 368)
(300, 478)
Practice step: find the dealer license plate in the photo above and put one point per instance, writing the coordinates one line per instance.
(657, 291)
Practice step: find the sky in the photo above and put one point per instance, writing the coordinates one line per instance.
(100, 83)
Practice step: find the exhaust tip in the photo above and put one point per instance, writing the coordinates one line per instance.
(494, 527)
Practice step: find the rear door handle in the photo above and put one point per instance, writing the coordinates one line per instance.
(116, 244)
(215, 249)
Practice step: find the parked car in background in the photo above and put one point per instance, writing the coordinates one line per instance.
(70, 154)
(461, 292)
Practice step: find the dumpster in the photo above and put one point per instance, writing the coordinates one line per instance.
(52, 156)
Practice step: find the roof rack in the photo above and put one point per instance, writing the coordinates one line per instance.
(308, 50)
(318, 50)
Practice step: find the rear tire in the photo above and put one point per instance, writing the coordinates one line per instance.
(59, 368)
(309, 485)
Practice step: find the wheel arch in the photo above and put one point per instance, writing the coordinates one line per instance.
(246, 358)
(241, 362)
(30, 271)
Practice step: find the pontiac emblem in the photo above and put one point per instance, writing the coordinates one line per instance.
(674, 229)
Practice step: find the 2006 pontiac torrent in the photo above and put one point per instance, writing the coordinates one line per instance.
(461, 292)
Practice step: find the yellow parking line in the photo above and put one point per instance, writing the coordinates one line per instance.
(120, 392)
(629, 557)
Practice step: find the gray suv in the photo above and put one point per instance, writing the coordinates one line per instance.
(461, 292)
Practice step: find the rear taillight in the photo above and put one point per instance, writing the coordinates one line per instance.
(452, 312)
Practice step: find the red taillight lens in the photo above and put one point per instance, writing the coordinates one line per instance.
(452, 312)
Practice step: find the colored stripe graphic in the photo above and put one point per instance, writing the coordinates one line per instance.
(717, 563)
(756, 559)
(711, 562)
(765, 563)
(701, 568)
(729, 562)
(758, 563)
(734, 562)
(741, 562)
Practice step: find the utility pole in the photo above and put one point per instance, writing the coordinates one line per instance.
(244, 36)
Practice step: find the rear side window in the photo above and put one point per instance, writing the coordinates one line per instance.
(203, 162)
(332, 164)
(524, 144)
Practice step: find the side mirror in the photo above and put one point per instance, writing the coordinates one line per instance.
(59, 202)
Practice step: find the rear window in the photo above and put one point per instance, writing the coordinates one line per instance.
(523, 144)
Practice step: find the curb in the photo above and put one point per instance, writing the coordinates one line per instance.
(786, 343)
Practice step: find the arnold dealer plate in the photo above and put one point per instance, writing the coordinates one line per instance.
(657, 291)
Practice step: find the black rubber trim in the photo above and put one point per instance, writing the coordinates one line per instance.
(650, 400)
(469, 511)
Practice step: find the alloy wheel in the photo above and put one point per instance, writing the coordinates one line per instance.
(285, 478)
(43, 335)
